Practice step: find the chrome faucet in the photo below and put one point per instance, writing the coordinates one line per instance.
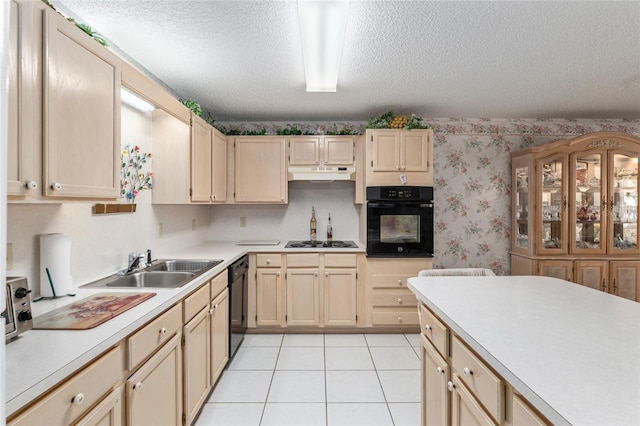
(136, 261)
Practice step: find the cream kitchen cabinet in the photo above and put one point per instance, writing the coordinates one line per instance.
(81, 113)
(435, 376)
(399, 157)
(340, 282)
(208, 162)
(575, 209)
(321, 150)
(72, 400)
(109, 412)
(268, 278)
(260, 170)
(303, 290)
(392, 303)
(219, 313)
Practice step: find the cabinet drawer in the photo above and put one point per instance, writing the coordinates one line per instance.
(397, 298)
(153, 335)
(307, 260)
(340, 260)
(71, 399)
(390, 280)
(434, 330)
(399, 316)
(485, 385)
(268, 260)
(195, 302)
(219, 283)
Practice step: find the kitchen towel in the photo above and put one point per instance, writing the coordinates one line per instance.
(55, 256)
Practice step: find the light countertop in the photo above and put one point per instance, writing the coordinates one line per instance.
(39, 359)
(571, 351)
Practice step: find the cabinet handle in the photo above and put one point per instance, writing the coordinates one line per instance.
(615, 287)
(31, 184)
(399, 301)
(604, 202)
(56, 186)
(427, 327)
(400, 319)
(278, 273)
(163, 330)
(399, 282)
(211, 311)
(467, 372)
(326, 274)
(564, 202)
(78, 399)
(137, 386)
(612, 204)
(604, 285)
(268, 261)
(450, 386)
(440, 370)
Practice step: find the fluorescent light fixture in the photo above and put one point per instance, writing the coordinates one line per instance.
(134, 101)
(322, 27)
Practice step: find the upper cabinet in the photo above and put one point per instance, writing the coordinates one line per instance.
(399, 157)
(260, 170)
(577, 199)
(81, 107)
(208, 162)
(322, 150)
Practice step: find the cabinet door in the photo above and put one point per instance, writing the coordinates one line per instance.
(623, 217)
(219, 172)
(269, 297)
(196, 363)
(81, 155)
(107, 413)
(625, 279)
(562, 269)
(340, 301)
(465, 410)
(260, 170)
(303, 297)
(553, 205)
(304, 151)
(522, 204)
(200, 160)
(338, 150)
(154, 391)
(414, 152)
(385, 148)
(588, 217)
(435, 396)
(171, 139)
(592, 273)
(219, 334)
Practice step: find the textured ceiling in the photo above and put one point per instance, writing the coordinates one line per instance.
(241, 60)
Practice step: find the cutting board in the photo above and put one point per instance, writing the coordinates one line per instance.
(89, 312)
(258, 243)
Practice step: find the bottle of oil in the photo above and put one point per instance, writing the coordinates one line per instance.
(329, 231)
(313, 224)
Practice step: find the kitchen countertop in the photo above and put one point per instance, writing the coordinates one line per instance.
(571, 351)
(39, 359)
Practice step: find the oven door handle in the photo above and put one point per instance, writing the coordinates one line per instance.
(401, 204)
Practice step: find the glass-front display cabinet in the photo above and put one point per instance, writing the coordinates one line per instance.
(575, 212)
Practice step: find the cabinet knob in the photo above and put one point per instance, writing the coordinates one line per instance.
(604, 284)
(399, 301)
(315, 274)
(278, 273)
(163, 330)
(615, 287)
(400, 319)
(211, 311)
(440, 370)
(450, 385)
(78, 399)
(399, 282)
(56, 186)
(326, 274)
(268, 261)
(31, 184)
(427, 327)
(137, 386)
(467, 372)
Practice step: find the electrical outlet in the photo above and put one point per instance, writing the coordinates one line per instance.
(193, 224)
(160, 230)
(9, 256)
(243, 222)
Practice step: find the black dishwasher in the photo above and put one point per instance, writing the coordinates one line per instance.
(238, 287)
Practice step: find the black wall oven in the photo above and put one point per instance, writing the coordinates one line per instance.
(400, 221)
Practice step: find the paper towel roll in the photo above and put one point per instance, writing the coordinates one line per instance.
(55, 255)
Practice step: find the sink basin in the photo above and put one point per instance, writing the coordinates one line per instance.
(164, 273)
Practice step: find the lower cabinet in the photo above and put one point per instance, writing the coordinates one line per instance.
(458, 388)
(196, 352)
(303, 290)
(219, 333)
(268, 276)
(340, 297)
(154, 391)
(108, 413)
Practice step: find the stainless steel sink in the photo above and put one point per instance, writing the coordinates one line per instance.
(164, 273)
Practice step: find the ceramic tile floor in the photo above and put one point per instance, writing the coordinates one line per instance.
(316, 379)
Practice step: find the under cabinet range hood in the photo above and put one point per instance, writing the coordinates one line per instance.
(321, 173)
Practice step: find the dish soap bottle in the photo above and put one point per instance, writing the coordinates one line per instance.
(312, 225)
(329, 231)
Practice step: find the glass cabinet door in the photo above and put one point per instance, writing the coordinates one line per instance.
(623, 203)
(521, 203)
(588, 202)
(553, 205)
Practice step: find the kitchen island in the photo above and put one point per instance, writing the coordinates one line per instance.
(571, 352)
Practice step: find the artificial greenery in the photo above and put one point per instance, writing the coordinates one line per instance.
(90, 31)
(383, 121)
(193, 106)
(333, 131)
(289, 130)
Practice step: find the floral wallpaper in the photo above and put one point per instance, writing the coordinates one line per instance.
(472, 178)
